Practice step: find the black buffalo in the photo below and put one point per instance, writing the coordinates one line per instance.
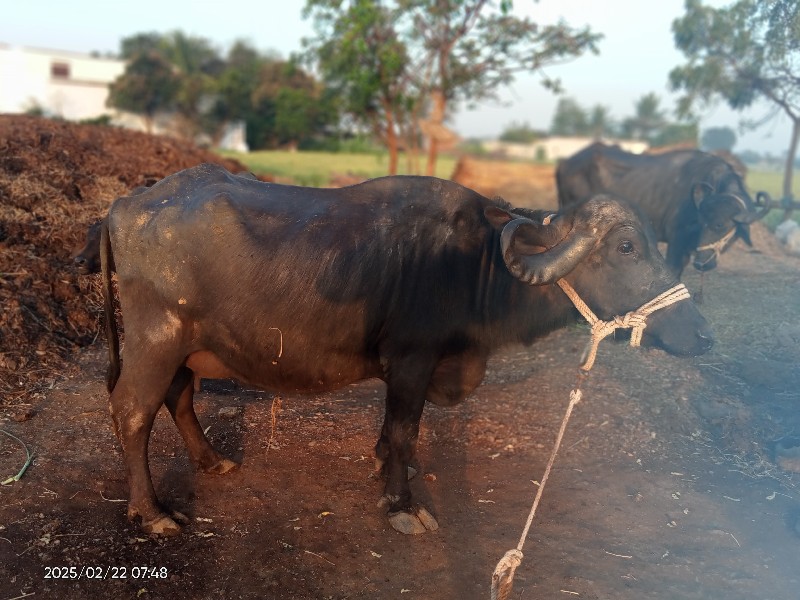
(695, 201)
(293, 289)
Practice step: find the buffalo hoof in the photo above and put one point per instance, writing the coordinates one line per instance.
(221, 467)
(162, 526)
(413, 523)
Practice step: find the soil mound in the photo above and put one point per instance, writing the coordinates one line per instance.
(520, 183)
(55, 179)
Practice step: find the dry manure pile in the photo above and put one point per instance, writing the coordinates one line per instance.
(55, 179)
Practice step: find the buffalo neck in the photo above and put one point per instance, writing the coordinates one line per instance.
(512, 311)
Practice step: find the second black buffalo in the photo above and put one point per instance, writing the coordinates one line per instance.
(694, 200)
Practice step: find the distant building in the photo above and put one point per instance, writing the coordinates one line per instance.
(74, 86)
(555, 148)
(63, 84)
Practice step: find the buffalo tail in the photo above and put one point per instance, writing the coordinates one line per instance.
(112, 334)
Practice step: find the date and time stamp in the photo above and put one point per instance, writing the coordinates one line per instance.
(106, 572)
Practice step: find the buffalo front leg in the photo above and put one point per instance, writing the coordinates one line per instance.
(405, 399)
(180, 402)
(382, 456)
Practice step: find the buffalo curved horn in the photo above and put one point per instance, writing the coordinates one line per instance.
(763, 203)
(562, 255)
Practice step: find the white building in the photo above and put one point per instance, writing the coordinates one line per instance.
(62, 84)
(73, 86)
(555, 148)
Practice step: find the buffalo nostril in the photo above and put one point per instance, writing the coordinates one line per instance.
(706, 266)
(706, 338)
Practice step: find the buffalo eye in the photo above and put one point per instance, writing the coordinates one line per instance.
(625, 247)
(718, 227)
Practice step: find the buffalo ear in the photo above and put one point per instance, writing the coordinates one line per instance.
(700, 192)
(498, 217)
(743, 232)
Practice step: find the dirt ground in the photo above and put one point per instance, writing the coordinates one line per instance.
(678, 478)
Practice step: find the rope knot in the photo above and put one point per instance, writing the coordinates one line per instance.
(635, 320)
(504, 574)
(628, 320)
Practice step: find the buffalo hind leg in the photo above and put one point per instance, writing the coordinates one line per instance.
(134, 403)
(180, 402)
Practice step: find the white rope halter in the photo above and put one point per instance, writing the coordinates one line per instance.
(718, 246)
(635, 319)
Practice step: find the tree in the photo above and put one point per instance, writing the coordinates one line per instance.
(718, 138)
(186, 76)
(199, 65)
(289, 105)
(294, 115)
(749, 157)
(361, 57)
(520, 133)
(140, 43)
(647, 121)
(148, 85)
(471, 48)
(195, 65)
(235, 85)
(412, 55)
(741, 53)
(569, 119)
(192, 55)
(600, 123)
(675, 134)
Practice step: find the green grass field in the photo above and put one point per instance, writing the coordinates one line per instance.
(318, 168)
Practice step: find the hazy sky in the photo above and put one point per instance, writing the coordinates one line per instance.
(635, 57)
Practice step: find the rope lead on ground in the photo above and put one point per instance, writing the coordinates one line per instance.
(503, 576)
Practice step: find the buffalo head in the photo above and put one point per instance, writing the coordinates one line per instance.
(608, 253)
(723, 217)
(87, 259)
